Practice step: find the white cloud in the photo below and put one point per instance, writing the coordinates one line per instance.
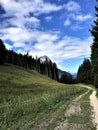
(8, 46)
(18, 13)
(48, 18)
(41, 42)
(26, 7)
(19, 44)
(32, 21)
(75, 15)
(76, 27)
(16, 34)
(68, 47)
(47, 8)
(83, 18)
(72, 6)
(74, 20)
(47, 43)
(18, 17)
(67, 22)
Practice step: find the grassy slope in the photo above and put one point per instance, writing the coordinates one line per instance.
(26, 97)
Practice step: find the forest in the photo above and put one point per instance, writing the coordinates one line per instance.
(44, 67)
(88, 70)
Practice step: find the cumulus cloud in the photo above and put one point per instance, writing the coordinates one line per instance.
(47, 43)
(67, 22)
(8, 46)
(72, 6)
(75, 15)
(83, 17)
(24, 13)
(68, 47)
(48, 18)
(20, 26)
(16, 34)
(26, 7)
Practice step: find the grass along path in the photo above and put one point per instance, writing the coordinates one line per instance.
(30, 101)
(78, 114)
(26, 97)
(94, 104)
(49, 122)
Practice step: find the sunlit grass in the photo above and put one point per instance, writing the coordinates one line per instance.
(26, 97)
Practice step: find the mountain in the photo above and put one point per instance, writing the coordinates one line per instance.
(45, 58)
(60, 72)
(74, 75)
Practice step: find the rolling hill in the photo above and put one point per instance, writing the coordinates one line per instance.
(27, 97)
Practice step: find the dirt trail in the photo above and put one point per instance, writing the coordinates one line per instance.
(94, 104)
(73, 108)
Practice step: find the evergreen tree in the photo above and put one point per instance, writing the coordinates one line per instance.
(55, 72)
(2, 52)
(94, 49)
(38, 65)
(46, 68)
(26, 60)
(84, 72)
(66, 78)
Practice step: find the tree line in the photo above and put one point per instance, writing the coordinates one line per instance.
(88, 70)
(46, 67)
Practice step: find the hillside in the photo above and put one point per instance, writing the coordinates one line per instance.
(28, 98)
(63, 73)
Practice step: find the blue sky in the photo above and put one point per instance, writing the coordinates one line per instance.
(56, 28)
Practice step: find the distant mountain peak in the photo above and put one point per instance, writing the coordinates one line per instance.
(45, 58)
(74, 75)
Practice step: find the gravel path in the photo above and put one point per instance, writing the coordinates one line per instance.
(94, 104)
(73, 108)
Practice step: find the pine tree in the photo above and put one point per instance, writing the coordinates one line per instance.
(94, 49)
(2, 52)
(66, 78)
(84, 72)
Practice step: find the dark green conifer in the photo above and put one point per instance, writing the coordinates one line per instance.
(94, 49)
(2, 52)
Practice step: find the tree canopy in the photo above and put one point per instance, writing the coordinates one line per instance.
(2, 52)
(94, 49)
(47, 68)
(84, 72)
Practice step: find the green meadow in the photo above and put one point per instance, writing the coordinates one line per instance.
(26, 97)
